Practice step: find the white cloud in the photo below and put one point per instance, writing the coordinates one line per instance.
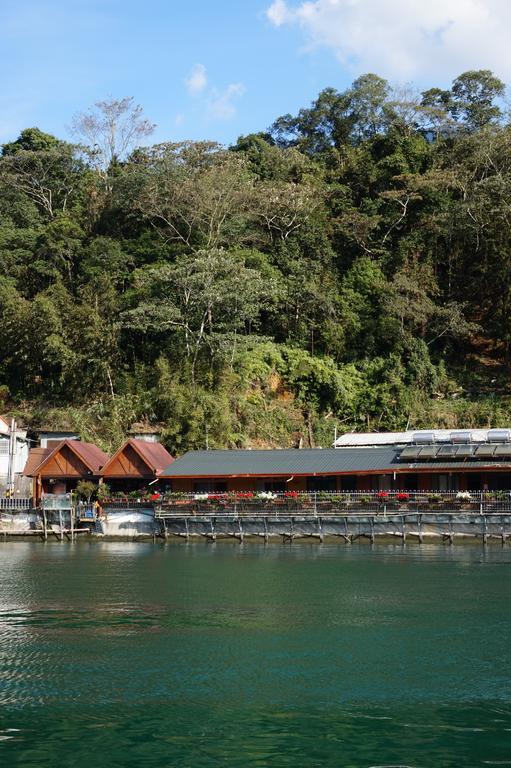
(404, 39)
(197, 80)
(278, 13)
(221, 105)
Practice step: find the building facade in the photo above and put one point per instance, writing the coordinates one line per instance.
(58, 470)
(136, 465)
(14, 448)
(427, 462)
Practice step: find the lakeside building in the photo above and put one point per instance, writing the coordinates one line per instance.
(142, 430)
(51, 438)
(57, 470)
(14, 448)
(412, 461)
(135, 465)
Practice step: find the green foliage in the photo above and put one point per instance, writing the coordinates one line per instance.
(85, 490)
(348, 267)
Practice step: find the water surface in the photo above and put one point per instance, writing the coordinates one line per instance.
(129, 654)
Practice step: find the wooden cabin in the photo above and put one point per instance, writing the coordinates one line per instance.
(58, 469)
(135, 465)
(457, 463)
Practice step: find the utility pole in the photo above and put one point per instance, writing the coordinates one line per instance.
(12, 454)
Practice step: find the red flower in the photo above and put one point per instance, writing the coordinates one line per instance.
(382, 495)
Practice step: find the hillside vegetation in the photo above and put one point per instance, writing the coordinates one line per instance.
(348, 267)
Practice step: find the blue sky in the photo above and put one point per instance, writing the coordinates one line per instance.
(220, 68)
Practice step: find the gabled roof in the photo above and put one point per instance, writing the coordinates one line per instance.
(89, 454)
(137, 458)
(310, 462)
(267, 463)
(36, 456)
(4, 426)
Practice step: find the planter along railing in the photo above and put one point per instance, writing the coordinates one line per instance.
(332, 503)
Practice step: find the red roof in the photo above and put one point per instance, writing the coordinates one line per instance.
(152, 454)
(92, 456)
(36, 456)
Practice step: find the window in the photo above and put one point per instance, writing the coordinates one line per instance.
(275, 486)
(444, 483)
(321, 483)
(4, 447)
(410, 482)
(349, 483)
(208, 486)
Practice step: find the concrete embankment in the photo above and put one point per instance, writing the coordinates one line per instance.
(348, 528)
(144, 522)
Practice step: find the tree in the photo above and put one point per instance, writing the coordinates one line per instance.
(32, 140)
(196, 195)
(50, 177)
(206, 300)
(474, 94)
(112, 129)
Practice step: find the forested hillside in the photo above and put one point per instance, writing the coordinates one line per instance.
(348, 266)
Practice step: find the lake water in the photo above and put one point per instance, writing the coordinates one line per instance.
(129, 654)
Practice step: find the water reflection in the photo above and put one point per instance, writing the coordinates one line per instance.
(253, 654)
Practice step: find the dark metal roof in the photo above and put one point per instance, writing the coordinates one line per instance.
(352, 460)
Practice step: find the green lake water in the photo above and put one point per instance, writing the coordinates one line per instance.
(203, 655)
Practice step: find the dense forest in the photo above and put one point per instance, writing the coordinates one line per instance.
(348, 267)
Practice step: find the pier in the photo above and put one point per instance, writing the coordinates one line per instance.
(347, 518)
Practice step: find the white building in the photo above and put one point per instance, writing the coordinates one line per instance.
(19, 451)
(351, 439)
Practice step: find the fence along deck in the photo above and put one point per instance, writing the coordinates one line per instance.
(332, 504)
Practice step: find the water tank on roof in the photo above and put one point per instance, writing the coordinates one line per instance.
(499, 435)
(461, 436)
(423, 438)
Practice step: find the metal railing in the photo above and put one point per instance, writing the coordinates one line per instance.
(57, 501)
(332, 503)
(16, 503)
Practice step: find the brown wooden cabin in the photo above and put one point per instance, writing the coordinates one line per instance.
(58, 469)
(136, 464)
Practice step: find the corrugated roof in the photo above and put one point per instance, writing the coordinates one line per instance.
(89, 453)
(153, 454)
(36, 456)
(394, 438)
(285, 462)
(266, 463)
(92, 456)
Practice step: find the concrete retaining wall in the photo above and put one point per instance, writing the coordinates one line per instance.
(447, 527)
